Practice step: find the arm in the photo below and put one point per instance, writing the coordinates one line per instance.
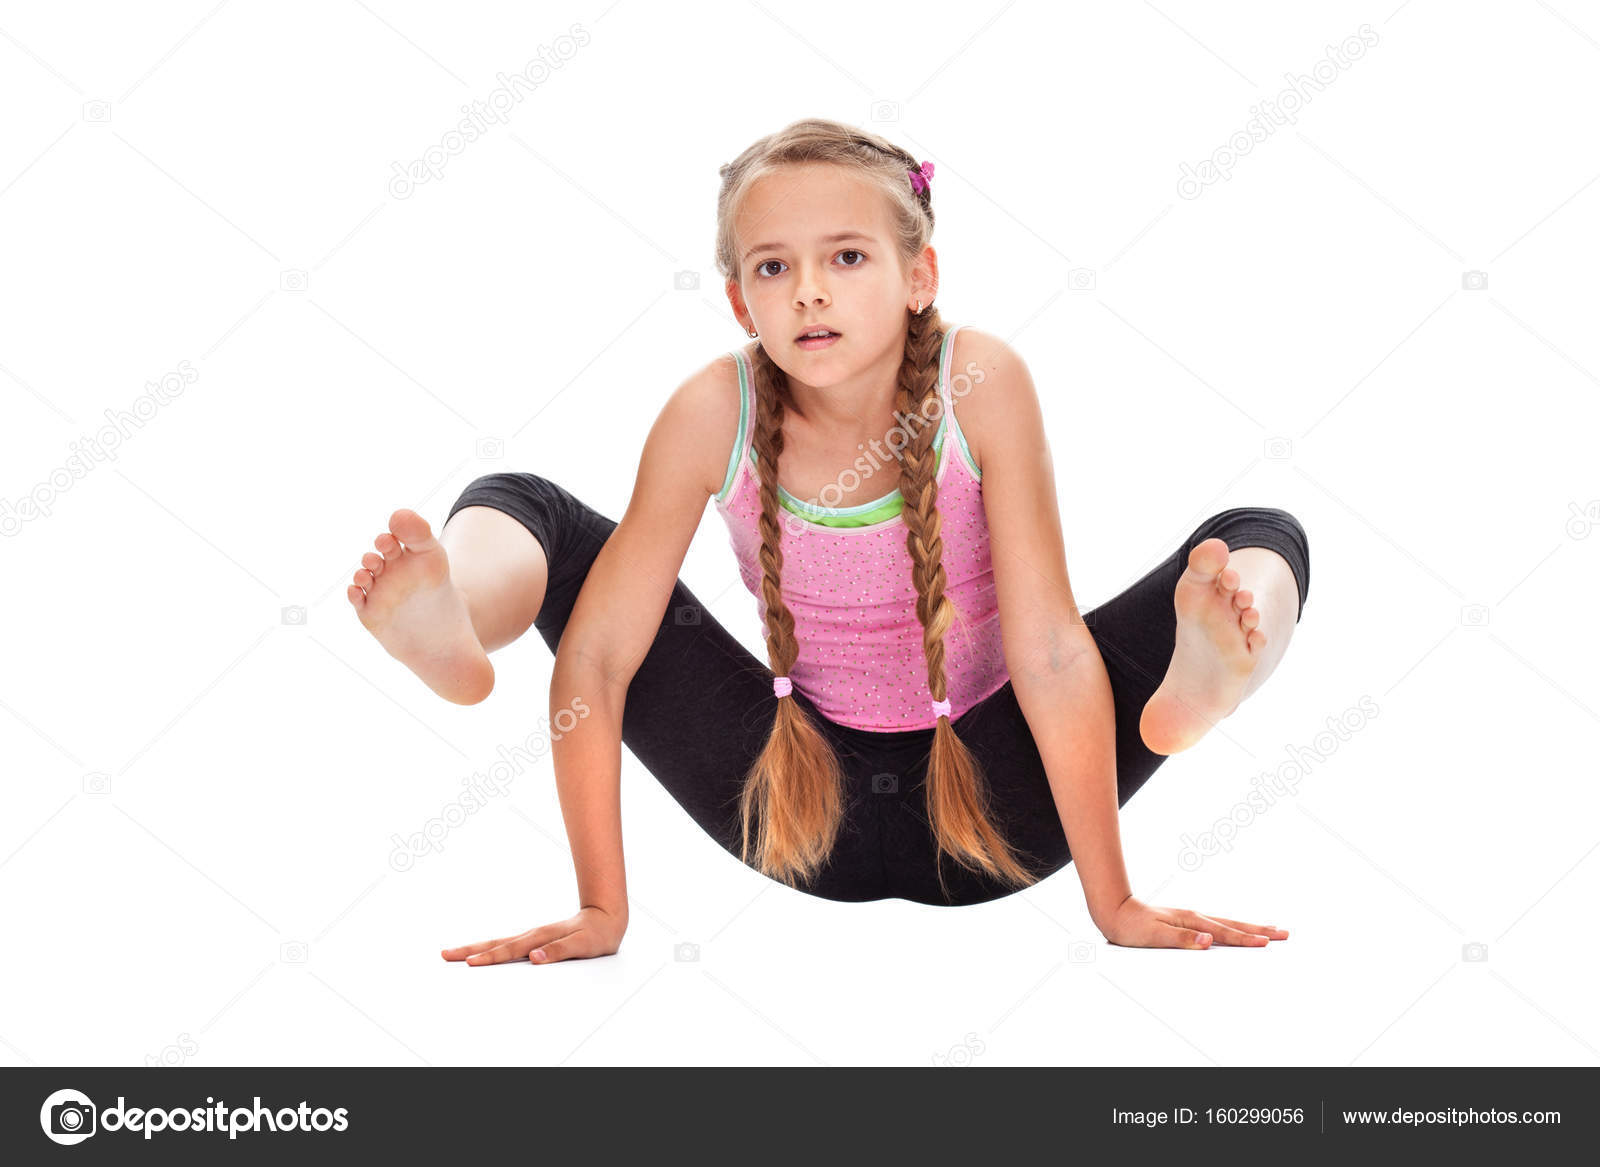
(1056, 668)
(617, 615)
(613, 624)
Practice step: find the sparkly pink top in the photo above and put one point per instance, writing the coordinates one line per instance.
(849, 587)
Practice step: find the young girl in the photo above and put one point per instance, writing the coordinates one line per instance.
(935, 720)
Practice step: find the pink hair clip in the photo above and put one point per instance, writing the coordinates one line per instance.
(921, 178)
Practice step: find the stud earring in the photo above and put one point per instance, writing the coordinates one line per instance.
(919, 307)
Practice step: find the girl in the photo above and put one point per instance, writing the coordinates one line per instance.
(936, 719)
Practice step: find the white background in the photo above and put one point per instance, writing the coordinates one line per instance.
(252, 772)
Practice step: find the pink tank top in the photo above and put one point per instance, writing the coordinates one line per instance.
(850, 591)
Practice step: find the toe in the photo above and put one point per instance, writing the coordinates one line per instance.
(373, 562)
(1249, 618)
(1208, 557)
(412, 530)
(362, 578)
(1242, 599)
(355, 595)
(387, 545)
(1228, 579)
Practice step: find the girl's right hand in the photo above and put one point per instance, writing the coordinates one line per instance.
(592, 932)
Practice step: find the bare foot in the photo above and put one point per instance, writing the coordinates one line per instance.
(1218, 647)
(406, 598)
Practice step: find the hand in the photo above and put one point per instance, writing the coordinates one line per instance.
(1135, 924)
(592, 932)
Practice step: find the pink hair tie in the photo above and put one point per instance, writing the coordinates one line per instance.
(781, 687)
(941, 709)
(921, 178)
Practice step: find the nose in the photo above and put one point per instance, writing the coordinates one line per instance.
(809, 291)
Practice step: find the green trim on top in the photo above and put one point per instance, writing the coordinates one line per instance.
(738, 437)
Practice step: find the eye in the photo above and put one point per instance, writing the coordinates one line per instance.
(853, 251)
(763, 264)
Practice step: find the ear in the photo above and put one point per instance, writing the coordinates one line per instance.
(741, 313)
(925, 276)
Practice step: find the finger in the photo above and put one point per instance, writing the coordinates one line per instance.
(518, 947)
(1270, 931)
(466, 950)
(1221, 933)
(1177, 937)
(574, 944)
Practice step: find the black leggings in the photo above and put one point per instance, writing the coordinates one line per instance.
(700, 708)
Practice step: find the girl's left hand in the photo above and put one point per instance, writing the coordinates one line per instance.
(1135, 924)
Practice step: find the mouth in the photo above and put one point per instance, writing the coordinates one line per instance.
(816, 338)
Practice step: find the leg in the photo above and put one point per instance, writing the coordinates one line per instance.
(502, 569)
(699, 708)
(1136, 633)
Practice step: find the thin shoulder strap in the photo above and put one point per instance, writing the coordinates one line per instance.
(741, 439)
(946, 353)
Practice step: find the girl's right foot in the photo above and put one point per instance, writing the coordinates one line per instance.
(406, 598)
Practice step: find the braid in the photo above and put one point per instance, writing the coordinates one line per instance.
(956, 797)
(795, 790)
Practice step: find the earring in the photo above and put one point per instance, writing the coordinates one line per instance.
(919, 307)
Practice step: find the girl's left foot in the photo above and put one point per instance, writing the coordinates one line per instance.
(1218, 647)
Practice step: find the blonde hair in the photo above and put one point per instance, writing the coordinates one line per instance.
(794, 790)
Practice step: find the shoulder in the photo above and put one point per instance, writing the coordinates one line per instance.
(996, 401)
(699, 424)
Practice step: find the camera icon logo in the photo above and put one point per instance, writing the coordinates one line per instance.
(686, 615)
(1475, 951)
(885, 783)
(1080, 952)
(686, 281)
(885, 111)
(1277, 449)
(1474, 616)
(685, 952)
(98, 110)
(294, 280)
(1081, 279)
(491, 448)
(97, 782)
(1474, 281)
(294, 614)
(293, 952)
(68, 1117)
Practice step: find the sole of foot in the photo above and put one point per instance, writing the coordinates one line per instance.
(404, 596)
(1218, 646)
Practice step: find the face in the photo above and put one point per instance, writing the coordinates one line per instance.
(815, 251)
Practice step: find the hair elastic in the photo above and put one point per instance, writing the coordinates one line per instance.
(781, 686)
(941, 709)
(921, 178)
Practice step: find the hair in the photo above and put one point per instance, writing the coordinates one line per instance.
(794, 789)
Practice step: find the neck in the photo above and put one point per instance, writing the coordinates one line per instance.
(856, 403)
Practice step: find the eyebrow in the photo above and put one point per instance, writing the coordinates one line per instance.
(838, 237)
